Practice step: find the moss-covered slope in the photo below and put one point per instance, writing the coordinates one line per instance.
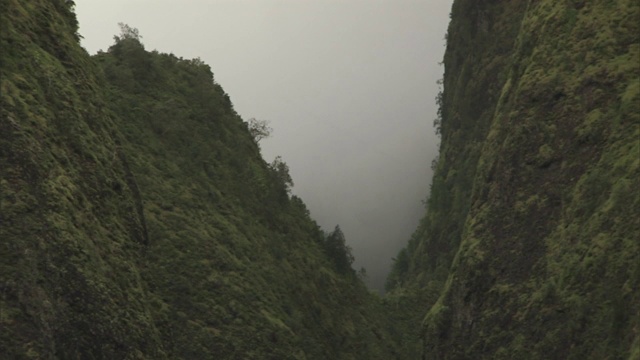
(70, 231)
(531, 243)
(138, 220)
(235, 265)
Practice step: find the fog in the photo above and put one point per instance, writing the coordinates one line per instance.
(348, 87)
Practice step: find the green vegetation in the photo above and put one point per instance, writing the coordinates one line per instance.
(139, 221)
(530, 241)
(336, 248)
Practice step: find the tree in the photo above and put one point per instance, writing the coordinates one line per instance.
(338, 251)
(259, 129)
(281, 171)
(437, 122)
(127, 33)
(399, 270)
(133, 68)
(362, 275)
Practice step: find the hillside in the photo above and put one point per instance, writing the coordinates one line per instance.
(139, 220)
(529, 249)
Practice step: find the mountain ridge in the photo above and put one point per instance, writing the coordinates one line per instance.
(143, 222)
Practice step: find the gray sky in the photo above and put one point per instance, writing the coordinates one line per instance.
(347, 85)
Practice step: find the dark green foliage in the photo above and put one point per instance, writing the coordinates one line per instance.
(335, 246)
(528, 245)
(235, 267)
(70, 231)
(280, 170)
(138, 220)
(399, 270)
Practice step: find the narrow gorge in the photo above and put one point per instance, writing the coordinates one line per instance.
(138, 219)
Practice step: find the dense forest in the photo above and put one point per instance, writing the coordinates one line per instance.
(138, 219)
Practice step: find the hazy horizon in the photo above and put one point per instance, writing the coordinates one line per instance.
(349, 88)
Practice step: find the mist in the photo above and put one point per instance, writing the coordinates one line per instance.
(349, 88)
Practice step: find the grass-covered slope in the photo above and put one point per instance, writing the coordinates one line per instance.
(138, 220)
(542, 259)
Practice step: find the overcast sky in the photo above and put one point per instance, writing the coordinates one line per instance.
(347, 85)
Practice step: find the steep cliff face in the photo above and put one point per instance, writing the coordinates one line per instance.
(138, 219)
(531, 237)
(70, 230)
